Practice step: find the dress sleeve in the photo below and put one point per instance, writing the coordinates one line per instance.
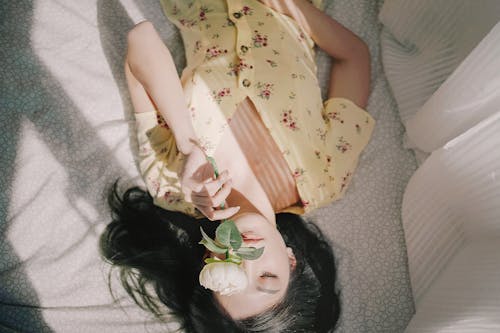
(161, 163)
(349, 131)
(178, 11)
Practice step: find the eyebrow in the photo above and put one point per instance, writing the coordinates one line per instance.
(269, 291)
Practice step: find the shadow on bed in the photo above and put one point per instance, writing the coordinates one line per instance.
(58, 123)
(113, 17)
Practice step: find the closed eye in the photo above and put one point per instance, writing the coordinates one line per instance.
(268, 275)
(268, 291)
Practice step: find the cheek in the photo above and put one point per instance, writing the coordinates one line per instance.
(278, 261)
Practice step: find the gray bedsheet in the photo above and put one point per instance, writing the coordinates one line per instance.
(65, 134)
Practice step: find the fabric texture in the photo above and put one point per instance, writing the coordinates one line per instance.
(264, 157)
(447, 114)
(239, 49)
(451, 219)
(423, 42)
(445, 76)
(161, 162)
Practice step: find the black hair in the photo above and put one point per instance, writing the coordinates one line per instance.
(157, 250)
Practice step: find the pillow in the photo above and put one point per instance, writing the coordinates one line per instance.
(424, 41)
(469, 95)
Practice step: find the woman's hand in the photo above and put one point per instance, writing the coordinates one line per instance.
(202, 190)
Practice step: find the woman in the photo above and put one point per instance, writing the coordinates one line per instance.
(249, 99)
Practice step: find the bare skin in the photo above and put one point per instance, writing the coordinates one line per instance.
(154, 84)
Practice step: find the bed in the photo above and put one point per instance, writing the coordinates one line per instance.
(442, 59)
(67, 134)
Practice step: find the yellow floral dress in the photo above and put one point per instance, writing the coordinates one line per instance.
(242, 48)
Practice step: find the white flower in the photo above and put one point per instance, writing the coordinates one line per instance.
(226, 278)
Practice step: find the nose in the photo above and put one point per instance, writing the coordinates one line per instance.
(250, 269)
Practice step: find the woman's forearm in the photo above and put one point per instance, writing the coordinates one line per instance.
(165, 88)
(152, 64)
(331, 36)
(350, 73)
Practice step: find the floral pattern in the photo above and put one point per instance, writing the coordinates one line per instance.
(235, 69)
(345, 180)
(288, 120)
(214, 51)
(272, 63)
(197, 46)
(342, 145)
(161, 121)
(173, 197)
(220, 94)
(265, 89)
(321, 133)
(188, 23)
(298, 172)
(334, 115)
(203, 13)
(249, 51)
(358, 128)
(259, 39)
(246, 10)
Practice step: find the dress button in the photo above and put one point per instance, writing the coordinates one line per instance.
(246, 83)
(237, 15)
(243, 49)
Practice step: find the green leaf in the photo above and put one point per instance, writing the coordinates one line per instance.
(211, 260)
(227, 234)
(210, 244)
(234, 259)
(250, 253)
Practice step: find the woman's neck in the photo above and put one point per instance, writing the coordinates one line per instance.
(246, 206)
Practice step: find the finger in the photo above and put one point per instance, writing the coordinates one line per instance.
(222, 195)
(213, 186)
(196, 182)
(194, 185)
(223, 214)
(215, 215)
(188, 197)
(203, 199)
(207, 211)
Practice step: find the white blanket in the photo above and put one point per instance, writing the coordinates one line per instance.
(67, 133)
(451, 207)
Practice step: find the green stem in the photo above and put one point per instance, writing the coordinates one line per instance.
(211, 160)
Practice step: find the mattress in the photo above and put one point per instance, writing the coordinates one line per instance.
(66, 128)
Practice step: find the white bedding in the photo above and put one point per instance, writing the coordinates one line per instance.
(67, 133)
(449, 99)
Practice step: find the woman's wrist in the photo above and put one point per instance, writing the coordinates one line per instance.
(187, 145)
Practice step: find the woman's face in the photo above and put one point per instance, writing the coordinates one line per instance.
(268, 276)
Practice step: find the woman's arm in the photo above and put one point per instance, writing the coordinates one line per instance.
(151, 64)
(350, 74)
(153, 83)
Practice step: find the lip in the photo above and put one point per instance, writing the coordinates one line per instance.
(250, 238)
(252, 242)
